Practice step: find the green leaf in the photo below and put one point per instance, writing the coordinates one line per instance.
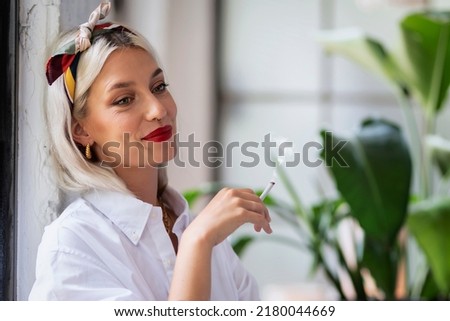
(376, 181)
(372, 171)
(423, 67)
(192, 196)
(429, 223)
(430, 290)
(369, 53)
(426, 38)
(382, 263)
(240, 244)
(439, 149)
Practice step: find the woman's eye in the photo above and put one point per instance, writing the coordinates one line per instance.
(160, 88)
(123, 101)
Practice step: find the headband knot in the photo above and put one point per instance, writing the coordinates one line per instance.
(64, 60)
(83, 40)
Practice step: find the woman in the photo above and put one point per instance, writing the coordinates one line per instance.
(128, 236)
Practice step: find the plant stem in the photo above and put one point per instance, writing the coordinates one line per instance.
(298, 206)
(430, 129)
(355, 276)
(417, 146)
(330, 275)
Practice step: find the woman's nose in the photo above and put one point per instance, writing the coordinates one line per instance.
(155, 109)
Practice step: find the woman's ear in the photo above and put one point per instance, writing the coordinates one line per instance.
(80, 135)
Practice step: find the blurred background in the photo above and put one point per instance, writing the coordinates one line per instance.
(238, 70)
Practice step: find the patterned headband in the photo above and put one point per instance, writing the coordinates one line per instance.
(64, 60)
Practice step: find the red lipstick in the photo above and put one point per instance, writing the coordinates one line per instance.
(160, 134)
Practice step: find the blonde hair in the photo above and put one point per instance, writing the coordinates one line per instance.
(73, 171)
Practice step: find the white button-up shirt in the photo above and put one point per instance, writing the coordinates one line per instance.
(111, 246)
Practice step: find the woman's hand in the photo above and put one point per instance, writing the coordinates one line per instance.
(227, 211)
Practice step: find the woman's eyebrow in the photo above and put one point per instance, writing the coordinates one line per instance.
(121, 85)
(126, 84)
(156, 72)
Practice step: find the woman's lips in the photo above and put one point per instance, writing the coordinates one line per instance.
(160, 134)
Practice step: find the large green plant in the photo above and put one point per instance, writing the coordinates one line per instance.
(375, 184)
(370, 161)
(419, 75)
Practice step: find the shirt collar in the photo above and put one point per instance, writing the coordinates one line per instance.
(130, 214)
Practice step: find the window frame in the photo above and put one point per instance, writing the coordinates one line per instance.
(8, 147)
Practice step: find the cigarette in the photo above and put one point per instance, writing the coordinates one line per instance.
(266, 190)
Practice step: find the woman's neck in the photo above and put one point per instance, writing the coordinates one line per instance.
(142, 182)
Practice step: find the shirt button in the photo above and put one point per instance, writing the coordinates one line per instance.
(167, 263)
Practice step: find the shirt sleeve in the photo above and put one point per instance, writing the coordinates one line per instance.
(246, 284)
(67, 268)
(70, 275)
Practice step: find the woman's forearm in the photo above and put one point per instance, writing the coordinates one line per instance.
(192, 274)
(227, 211)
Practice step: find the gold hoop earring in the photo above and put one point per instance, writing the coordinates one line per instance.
(88, 151)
